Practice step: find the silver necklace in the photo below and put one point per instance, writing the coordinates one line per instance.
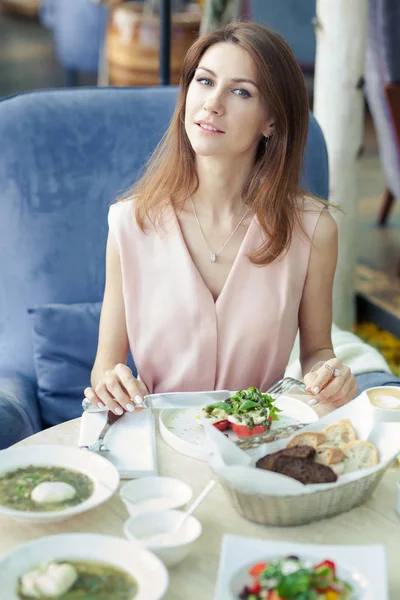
(214, 255)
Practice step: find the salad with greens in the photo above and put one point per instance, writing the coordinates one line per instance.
(291, 578)
(248, 412)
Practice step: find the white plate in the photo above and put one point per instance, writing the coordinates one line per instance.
(353, 577)
(103, 474)
(130, 556)
(364, 567)
(182, 431)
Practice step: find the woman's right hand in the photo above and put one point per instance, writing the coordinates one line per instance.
(118, 390)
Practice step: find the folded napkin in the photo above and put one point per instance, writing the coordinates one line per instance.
(131, 441)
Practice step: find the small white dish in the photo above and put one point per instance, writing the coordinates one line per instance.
(154, 494)
(385, 402)
(153, 531)
(150, 574)
(103, 474)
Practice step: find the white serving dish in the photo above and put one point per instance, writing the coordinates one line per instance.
(103, 474)
(182, 429)
(389, 395)
(130, 556)
(176, 549)
(154, 494)
(364, 567)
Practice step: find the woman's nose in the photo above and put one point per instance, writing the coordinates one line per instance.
(214, 104)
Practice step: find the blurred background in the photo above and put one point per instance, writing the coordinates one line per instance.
(56, 43)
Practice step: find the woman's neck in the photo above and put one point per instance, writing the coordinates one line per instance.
(221, 185)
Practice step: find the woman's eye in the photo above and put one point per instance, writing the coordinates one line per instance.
(204, 81)
(242, 92)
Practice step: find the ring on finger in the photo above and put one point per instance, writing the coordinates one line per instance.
(335, 372)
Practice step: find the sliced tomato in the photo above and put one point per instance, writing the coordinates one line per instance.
(243, 431)
(222, 425)
(326, 564)
(257, 569)
(273, 595)
(255, 588)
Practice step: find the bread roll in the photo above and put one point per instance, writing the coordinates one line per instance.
(307, 438)
(359, 455)
(339, 433)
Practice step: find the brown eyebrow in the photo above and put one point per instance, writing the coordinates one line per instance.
(235, 79)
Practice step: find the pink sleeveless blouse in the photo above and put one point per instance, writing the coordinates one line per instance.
(180, 339)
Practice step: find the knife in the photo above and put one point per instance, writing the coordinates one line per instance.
(176, 400)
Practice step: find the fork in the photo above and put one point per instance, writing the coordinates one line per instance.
(98, 445)
(284, 385)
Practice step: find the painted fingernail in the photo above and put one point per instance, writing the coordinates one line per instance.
(138, 399)
(100, 405)
(312, 402)
(130, 407)
(315, 390)
(119, 411)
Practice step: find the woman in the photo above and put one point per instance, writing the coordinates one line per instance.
(218, 257)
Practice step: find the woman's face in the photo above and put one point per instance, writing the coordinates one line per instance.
(225, 114)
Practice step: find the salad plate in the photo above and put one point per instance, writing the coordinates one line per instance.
(363, 568)
(183, 430)
(287, 577)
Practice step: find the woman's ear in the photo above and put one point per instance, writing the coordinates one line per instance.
(269, 129)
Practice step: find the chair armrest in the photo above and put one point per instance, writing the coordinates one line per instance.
(19, 410)
(47, 13)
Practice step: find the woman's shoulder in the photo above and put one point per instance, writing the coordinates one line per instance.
(316, 219)
(122, 207)
(121, 210)
(123, 216)
(310, 204)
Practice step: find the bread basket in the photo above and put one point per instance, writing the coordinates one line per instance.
(302, 509)
(272, 502)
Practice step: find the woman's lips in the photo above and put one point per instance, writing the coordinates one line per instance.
(208, 129)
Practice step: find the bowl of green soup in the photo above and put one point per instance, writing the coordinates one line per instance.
(47, 484)
(80, 566)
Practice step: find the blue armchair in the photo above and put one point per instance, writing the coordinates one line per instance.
(66, 155)
(293, 19)
(79, 28)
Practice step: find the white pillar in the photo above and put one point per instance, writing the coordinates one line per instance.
(341, 27)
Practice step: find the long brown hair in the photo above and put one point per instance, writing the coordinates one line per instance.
(273, 187)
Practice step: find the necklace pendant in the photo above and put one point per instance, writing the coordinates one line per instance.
(213, 257)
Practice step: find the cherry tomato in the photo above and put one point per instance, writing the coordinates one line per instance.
(257, 569)
(222, 425)
(327, 563)
(255, 588)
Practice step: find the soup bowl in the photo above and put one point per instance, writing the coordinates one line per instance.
(129, 557)
(100, 471)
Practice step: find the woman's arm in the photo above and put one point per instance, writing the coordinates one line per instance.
(315, 315)
(333, 383)
(113, 345)
(113, 384)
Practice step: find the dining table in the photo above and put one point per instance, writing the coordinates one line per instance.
(375, 522)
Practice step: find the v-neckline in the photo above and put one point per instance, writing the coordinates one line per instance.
(194, 267)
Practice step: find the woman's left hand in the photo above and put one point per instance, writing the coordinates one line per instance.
(332, 383)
